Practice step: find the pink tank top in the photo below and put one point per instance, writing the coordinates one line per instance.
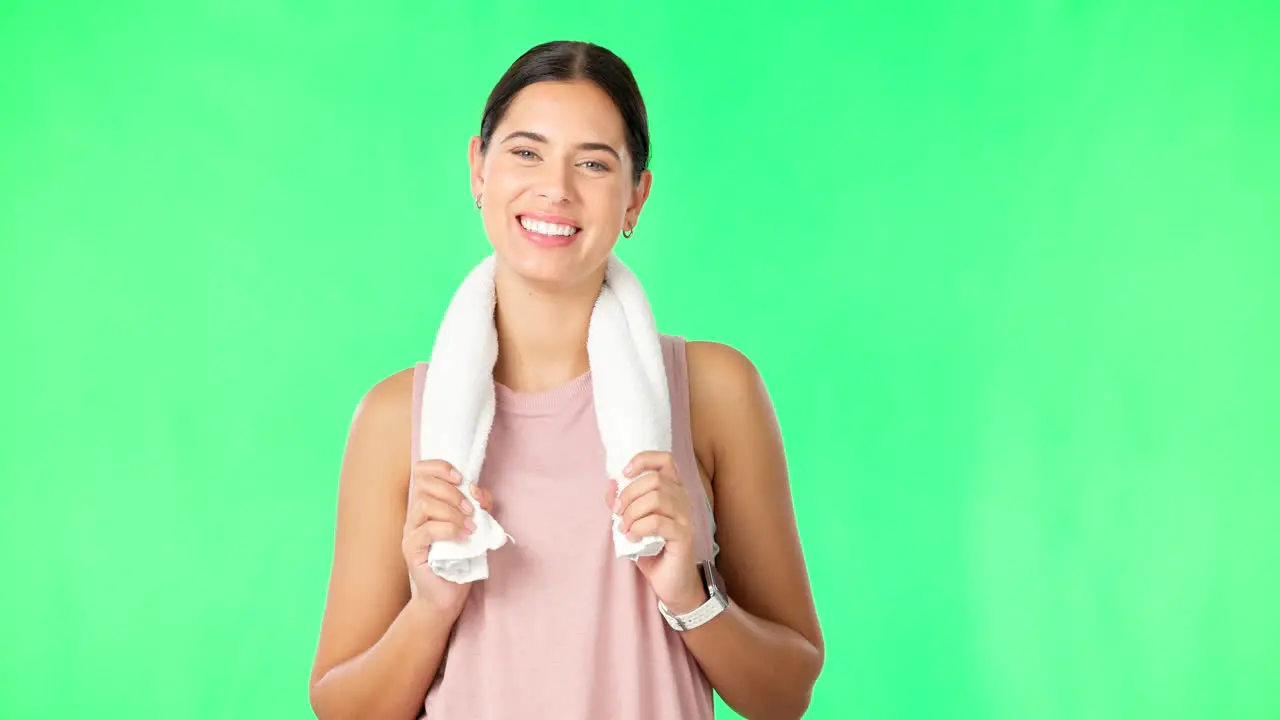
(562, 628)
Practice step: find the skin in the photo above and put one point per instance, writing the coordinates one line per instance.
(561, 149)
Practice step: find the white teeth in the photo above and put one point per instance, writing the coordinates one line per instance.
(544, 228)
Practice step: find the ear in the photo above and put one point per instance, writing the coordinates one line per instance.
(639, 194)
(476, 160)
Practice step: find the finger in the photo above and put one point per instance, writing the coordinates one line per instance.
(432, 510)
(439, 490)
(656, 525)
(650, 503)
(436, 531)
(648, 483)
(651, 461)
(423, 469)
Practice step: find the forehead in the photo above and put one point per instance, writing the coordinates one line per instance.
(570, 112)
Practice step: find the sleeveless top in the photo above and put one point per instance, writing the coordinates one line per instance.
(562, 628)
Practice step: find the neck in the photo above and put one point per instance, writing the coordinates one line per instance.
(542, 332)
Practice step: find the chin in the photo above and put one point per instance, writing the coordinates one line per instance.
(559, 267)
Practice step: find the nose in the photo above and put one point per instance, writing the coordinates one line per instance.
(553, 185)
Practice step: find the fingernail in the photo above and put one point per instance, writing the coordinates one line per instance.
(617, 506)
(457, 476)
(470, 526)
(466, 506)
(627, 470)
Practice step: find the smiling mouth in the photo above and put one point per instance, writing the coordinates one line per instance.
(548, 229)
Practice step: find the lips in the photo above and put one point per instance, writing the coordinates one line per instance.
(548, 230)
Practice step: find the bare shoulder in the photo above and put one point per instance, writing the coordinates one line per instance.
(727, 398)
(381, 426)
(388, 401)
(719, 368)
(376, 461)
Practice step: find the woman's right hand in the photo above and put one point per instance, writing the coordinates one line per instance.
(437, 511)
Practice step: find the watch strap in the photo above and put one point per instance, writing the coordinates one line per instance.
(716, 603)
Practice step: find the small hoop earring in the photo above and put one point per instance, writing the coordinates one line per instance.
(478, 203)
(628, 233)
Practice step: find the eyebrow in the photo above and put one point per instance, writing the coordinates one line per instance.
(581, 146)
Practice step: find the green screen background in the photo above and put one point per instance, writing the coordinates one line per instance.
(1008, 269)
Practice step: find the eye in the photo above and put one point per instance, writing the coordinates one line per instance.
(595, 165)
(525, 154)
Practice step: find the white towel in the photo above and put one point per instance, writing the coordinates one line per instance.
(629, 381)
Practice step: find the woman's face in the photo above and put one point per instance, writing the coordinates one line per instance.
(555, 183)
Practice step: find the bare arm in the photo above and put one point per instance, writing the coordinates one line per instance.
(765, 653)
(378, 651)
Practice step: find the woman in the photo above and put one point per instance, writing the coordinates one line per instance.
(562, 628)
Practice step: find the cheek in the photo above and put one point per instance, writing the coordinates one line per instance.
(604, 200)
(505, 181)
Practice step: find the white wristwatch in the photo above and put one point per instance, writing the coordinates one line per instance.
(717, 602)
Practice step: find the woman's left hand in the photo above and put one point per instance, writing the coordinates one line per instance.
(657, 504)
